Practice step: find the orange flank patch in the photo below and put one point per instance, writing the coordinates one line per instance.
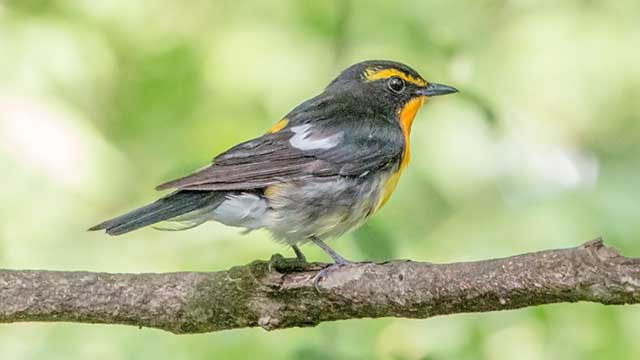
(278, 126)
(271, 191)
(407, 114)
(373, 74)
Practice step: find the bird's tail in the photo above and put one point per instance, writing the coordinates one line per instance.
(178, 206)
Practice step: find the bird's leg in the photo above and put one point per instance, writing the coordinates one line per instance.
(338, 261)
(299, 255)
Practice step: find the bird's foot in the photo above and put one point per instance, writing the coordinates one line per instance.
(325, 272)
(287, 265)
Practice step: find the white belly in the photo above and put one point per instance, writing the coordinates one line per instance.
(322, 209)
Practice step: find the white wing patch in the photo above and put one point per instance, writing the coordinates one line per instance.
(302, 141)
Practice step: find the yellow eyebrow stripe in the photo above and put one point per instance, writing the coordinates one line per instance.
(373, 74)
(278, 126)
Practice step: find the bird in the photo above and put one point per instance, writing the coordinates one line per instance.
(319, 172)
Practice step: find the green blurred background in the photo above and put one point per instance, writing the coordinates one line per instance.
(102, 100)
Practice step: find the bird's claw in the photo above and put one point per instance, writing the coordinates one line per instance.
(324, 272)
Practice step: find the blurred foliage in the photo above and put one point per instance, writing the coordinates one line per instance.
(102, 100)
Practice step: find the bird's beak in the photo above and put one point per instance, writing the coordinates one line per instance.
(434, 89)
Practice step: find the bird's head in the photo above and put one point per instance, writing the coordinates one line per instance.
(386, 86)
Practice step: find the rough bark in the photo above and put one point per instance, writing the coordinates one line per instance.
(280, 293)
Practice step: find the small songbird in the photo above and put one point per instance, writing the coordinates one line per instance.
(322, 170)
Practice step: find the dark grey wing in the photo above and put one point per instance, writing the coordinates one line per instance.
(370, 145)
(344, 147)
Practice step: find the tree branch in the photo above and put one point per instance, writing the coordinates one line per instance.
(280, 293)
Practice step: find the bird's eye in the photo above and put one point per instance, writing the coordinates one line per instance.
(396, 84)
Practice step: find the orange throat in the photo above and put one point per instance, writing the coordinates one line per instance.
(407, 114)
